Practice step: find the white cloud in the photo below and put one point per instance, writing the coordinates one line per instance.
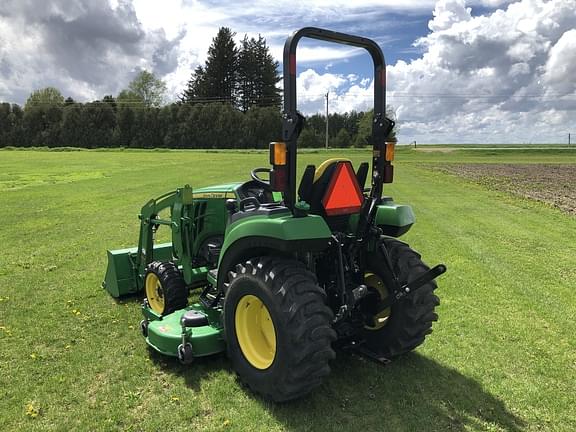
(345, 93)
(560, 72)
(449, 12)
(86, 49)
(508, 76)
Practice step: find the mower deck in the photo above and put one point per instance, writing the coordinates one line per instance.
(164, 334)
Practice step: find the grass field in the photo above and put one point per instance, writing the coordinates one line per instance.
(502, 356)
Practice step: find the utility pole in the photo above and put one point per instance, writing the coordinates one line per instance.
(568, 139)
(326, 95)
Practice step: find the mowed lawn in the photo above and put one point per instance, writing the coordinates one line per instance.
(501, 357)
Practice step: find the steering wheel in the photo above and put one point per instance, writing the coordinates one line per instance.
(254, 174)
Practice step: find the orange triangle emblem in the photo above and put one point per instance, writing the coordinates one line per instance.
(343, 195)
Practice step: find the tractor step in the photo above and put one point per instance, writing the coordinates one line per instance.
(212, 276)
(210, 297)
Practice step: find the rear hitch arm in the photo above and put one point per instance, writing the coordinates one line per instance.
(413, 286)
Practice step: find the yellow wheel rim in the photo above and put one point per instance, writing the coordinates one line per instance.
(255, 332)
(154, 293)
(381, 318)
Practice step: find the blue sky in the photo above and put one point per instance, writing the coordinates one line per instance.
(458, 71)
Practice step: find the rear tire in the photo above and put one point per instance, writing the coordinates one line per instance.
(165, 288)
(288, 357)
(410, 319)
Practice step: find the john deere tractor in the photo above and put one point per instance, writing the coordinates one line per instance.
(286, 272)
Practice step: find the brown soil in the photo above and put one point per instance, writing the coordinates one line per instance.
(554, 184)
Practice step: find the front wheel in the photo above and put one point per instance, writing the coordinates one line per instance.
(403, 327)
(165, 287)
(277, 328)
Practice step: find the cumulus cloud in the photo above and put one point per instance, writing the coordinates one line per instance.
(506, 76)
(85, 48)
(560, 70)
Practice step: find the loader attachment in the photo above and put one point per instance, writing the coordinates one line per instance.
(122, 271)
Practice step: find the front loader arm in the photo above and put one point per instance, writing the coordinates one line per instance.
(180, 203)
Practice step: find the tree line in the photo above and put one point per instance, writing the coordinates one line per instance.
(232, 101)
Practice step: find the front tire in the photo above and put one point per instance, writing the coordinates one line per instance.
(278, 328)
(410, 319)
(165, 288)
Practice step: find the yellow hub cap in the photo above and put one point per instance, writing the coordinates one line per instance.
(255, 332)
(380, 318)
(154, 293)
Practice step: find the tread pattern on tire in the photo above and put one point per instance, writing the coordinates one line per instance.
(305, 322)
(173, 285)
(411, 319)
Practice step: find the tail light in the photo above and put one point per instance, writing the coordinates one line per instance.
(279, 173)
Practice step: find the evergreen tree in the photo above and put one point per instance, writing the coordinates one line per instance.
(73, 128)
(5, 124)
(216, 81)
(99, 122)
(270, 95)
(342, 139)
(16, 136)
(125, 120)
(196, 88)
(247, 71)
(365, 127)
(257, 75)
(308, 138)
(109, 99)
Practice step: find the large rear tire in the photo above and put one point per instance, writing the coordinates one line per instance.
(278, 328)
(410, 320)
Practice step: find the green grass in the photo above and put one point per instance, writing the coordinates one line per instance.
(502, 356)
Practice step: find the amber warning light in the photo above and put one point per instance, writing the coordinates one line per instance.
(343, 195)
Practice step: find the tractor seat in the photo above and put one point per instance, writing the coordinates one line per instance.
(316, 183)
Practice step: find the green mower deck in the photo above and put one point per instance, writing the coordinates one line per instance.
(164, 333)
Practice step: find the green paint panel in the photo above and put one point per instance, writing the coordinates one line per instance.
(120, 273)
(393, 219)
(280, 226)
(397, 215)
(165, 334)
(228, 187)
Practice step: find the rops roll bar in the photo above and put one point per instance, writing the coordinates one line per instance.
(293, 121)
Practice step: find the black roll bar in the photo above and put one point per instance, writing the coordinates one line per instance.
(293, 121)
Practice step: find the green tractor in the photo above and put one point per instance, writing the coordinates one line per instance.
(285, 275)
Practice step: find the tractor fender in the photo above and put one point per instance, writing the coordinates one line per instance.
(393, 219)
(261, 235)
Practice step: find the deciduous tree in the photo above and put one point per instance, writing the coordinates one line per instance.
(151, 90)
